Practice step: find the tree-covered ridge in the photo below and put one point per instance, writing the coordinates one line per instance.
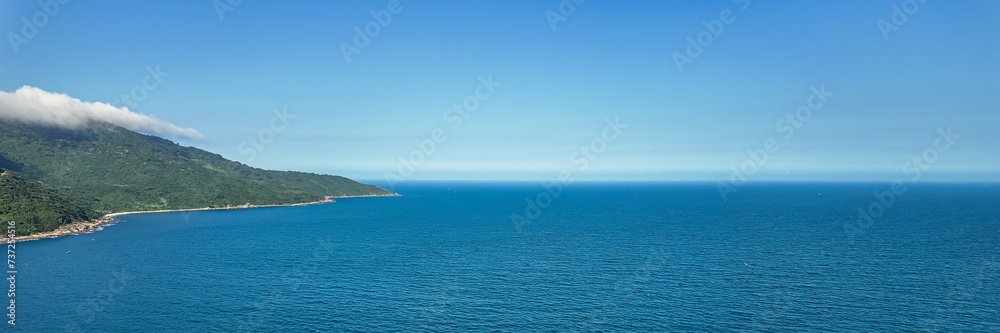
(112, 169)
(35, 208)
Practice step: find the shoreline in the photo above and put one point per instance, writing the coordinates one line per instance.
(98, 224)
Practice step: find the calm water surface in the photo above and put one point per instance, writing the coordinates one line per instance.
(601, 257)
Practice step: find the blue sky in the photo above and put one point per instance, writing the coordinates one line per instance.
(606, 60)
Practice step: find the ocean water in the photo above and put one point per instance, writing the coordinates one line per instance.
(602, 257)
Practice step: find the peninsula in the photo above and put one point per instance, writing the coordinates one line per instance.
(57, 181)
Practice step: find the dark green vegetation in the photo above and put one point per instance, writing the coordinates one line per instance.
(106, 168)
(36, 208)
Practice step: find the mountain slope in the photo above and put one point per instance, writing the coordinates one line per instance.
(36, 208)
(113, 169)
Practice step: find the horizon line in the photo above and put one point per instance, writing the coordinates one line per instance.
(364, 180)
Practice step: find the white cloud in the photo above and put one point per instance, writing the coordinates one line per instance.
(36, 106)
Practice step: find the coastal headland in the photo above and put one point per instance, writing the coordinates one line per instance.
(86, 227)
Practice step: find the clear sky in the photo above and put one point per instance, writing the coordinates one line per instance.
(938, 68)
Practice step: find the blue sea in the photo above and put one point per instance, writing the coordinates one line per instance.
(597, 257)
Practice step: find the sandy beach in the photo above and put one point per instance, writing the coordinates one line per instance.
(86, 227)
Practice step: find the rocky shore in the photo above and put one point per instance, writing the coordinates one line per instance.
(86, 227)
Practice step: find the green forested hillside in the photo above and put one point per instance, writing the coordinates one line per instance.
(36, 208)
(109, 169)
